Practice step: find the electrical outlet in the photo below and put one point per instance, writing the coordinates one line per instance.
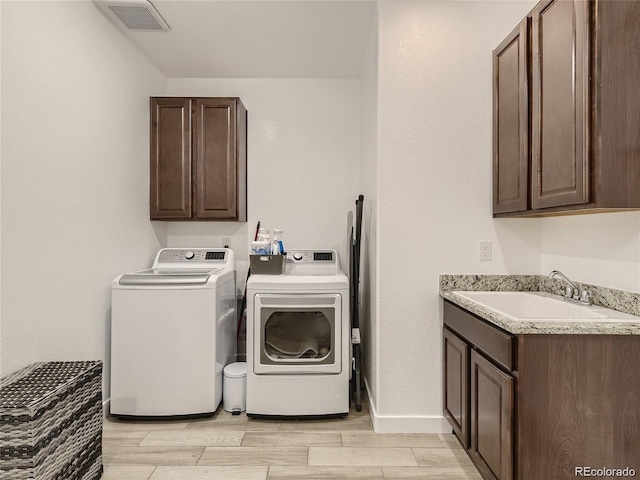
(484, 251)
(226, 242)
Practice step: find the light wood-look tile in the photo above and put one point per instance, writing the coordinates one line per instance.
(431, 473)
(372, 439)
(365, 412)
(292, 439)
(241, 448)
(472, 473)
(194, 438)
(254, 456)
(121, 438)
(111, 423)
(151, 455)
(442, 457)
(449, 440)
(127, 472)
(355, 423)
(225, 421)
(361, 456)
(251, 472)
(325, 473)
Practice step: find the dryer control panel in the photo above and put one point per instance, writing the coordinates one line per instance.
(327, 256)
(312, 262)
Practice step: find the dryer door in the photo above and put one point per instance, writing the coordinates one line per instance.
(297, 334)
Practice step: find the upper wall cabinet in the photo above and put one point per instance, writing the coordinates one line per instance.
(198, 159)
(511, 122)
(560, 104)
(568, 76)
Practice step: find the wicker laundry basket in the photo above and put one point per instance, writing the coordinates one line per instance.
(51, 422)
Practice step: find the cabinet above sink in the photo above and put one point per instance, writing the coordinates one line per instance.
(566, 129)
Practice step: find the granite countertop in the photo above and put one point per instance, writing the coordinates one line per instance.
(619, 300)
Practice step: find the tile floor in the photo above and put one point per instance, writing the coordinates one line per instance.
(228, 447)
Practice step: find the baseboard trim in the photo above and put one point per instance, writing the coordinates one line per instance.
(106, 407)
(406, 423)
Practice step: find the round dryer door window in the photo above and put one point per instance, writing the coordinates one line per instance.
(300, 336)
(296, 334)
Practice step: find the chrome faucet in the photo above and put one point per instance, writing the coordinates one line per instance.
(573, 293)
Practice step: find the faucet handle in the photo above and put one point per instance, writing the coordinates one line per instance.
(585, 297)
(568, 292)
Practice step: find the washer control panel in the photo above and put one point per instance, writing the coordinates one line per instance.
(193, 255)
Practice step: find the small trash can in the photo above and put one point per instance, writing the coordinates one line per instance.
(234, 388)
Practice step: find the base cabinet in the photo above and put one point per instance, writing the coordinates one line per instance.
(541, 407)
(491, 418)
(456, 388)
(479, 391)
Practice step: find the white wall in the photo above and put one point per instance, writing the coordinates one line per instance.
(369, 188)
(303, 151)
(75, 176)
(602, 249)
(434, 171)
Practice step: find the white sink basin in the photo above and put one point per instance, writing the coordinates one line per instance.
(542, 306)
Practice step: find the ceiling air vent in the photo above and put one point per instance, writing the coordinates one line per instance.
(139, 15)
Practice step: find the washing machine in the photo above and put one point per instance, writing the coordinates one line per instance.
(173, 330)
(298, 338)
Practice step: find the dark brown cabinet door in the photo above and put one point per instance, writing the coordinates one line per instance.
(218, 157)
(198, 159)
(511, 122)
(456, 385)
(170, 189)
(492, 411)
(560, 100)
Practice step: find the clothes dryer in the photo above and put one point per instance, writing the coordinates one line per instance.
(298, 338)
(172, 334)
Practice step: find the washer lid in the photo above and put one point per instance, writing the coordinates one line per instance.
(236, 370)
(157, 276)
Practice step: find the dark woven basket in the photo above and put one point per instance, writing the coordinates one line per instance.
(51, 422)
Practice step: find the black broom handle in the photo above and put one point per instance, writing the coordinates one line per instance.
(244, 297)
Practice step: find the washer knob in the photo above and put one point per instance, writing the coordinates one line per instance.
(297, 256)
(189, 255)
